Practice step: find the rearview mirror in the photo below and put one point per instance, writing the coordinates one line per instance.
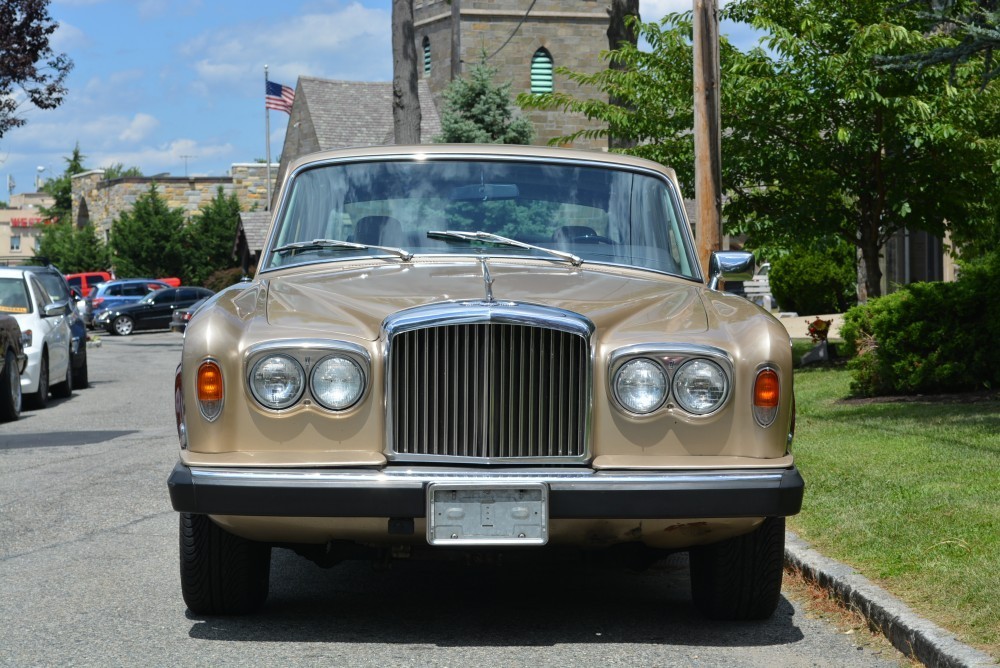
(485, 191)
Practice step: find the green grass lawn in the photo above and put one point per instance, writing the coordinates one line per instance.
(908, 493)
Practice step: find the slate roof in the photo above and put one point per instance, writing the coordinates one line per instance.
(253, 227)
(359, 113)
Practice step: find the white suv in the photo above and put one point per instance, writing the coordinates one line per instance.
(45, 332)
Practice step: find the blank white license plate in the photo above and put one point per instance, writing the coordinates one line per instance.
(491, 514)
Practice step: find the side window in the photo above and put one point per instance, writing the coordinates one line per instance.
(134, 290)
(114, 291)
(164, 297)
(41, 296)
(187, 294)
(541, 72)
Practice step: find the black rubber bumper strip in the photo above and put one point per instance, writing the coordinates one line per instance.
(619, 495)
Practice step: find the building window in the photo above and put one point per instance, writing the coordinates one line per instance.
(427, 56)
(15, 243)
(541, 72)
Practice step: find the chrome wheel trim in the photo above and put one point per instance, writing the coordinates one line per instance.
(123, 325)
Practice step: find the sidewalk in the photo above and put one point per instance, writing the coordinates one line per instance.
(909, 633)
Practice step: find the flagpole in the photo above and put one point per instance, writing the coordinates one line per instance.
(267, 142)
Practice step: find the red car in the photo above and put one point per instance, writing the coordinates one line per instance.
(85, 281)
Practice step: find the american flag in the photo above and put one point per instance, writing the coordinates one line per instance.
(278, 97)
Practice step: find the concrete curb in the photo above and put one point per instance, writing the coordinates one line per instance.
(910, 634)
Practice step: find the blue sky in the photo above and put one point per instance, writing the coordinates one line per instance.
(157, 80)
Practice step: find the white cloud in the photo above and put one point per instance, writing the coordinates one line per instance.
(140, 128)
(68, 38)
(308, 44)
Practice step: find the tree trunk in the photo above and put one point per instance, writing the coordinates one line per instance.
(405, 100)
(869, 272)
(618, 32)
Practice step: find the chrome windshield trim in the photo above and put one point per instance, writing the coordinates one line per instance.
(583, 160)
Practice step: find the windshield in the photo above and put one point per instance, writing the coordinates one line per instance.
(596, 214)
(14, 296)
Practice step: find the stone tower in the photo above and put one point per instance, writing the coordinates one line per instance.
(525, 40)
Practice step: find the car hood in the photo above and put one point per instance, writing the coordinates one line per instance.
(353, 301)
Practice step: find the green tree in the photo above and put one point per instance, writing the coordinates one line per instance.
(211, 238)
(27, 62)
(73, 249)
(148, 240)
(117, 170)
(61, 187)
(817, 141)
(477, 111)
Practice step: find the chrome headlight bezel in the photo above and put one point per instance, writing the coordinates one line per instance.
(309, 354)
(670, 358)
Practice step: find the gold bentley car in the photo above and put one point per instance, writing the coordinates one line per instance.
(478, 349)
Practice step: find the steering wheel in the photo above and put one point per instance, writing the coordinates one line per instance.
(593, 239)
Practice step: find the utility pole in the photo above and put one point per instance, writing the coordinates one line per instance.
(405, 99)
(707, 135)
(186, 164)
(456, 39)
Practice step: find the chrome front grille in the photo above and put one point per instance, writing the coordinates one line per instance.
(488, 392)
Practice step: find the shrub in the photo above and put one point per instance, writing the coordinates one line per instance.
(223, 278)
(928, 337)
(815, 281)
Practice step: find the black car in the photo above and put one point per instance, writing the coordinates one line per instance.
(153, 311)
(182, 315)
(59, 290)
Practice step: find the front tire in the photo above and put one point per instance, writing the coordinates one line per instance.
(221, 573)
(40, 399)
(64, 390)
(739, 579)
(10, 389)
(123, 325)
(81, 377)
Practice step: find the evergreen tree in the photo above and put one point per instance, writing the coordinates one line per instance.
(148, 241)
(72, 249)
(61, 187)
(477, 111)
(211, 237)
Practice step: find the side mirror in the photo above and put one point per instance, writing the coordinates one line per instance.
(56, 309)
(730, 265)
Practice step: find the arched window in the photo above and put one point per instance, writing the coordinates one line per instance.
(541, 72)
(427, 56)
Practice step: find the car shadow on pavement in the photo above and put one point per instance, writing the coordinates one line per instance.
(59, 438)
(451, 604)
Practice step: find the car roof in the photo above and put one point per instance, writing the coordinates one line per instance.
(488, 151)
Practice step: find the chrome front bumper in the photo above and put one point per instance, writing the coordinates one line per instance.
(402, 492)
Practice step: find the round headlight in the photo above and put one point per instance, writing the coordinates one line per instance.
(700, 386)
(641, 386)
(337, 382)
(277, 381)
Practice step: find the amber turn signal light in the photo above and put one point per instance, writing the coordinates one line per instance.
(766, 394)
(210, 390)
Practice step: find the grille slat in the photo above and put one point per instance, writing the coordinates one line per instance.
(488, 391)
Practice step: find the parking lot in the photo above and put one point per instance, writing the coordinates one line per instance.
(89, 575)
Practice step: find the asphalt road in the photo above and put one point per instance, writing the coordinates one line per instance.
(89, 574)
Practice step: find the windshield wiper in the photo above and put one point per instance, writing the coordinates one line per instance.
(575, 260)
(317, 244)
